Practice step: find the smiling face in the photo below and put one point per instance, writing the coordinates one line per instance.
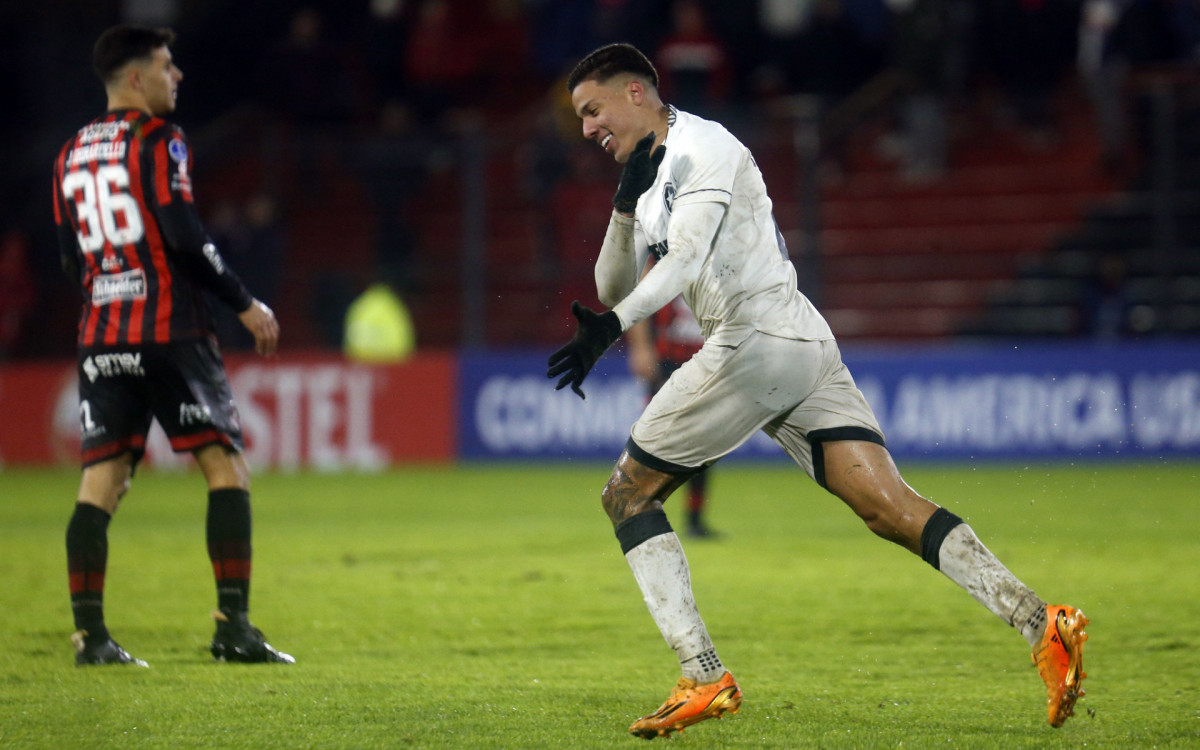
(616, 114)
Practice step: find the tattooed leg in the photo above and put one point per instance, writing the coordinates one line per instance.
(633, 499)
(634, 488)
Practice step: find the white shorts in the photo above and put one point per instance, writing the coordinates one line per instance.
(798, 392)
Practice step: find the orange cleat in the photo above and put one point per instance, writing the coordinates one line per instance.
(690, 703)
(1059, 660)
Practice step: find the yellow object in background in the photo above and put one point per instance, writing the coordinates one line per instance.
(378, 327)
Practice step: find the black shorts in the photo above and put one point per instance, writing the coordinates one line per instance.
(182, 385)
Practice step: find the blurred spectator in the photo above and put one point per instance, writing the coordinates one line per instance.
(693, 65)
(305, 78)
(1116, 39)
(781, 22)
(562, 31)
(392, 164)
(264, 247)
(1107, 307)
(250, 238)
(1033, 42)
(18, 291)
(461, 57)
(331, 297)
(829, 62)
(920, 52)
(443, 58)
(379, 327)
(1104, 71)
(504, 31)
(384, 42)
(581, 202)
(831, 57)
(546, 156)
(544, 160)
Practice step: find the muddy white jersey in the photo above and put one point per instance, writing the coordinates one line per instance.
(746, 282)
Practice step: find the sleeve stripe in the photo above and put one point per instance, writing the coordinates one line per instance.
(704, 190)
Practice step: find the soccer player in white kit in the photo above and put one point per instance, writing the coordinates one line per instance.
(691, 194)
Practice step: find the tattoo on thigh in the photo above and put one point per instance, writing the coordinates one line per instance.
(622, 496)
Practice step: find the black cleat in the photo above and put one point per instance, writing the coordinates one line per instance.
(100, 651)
(237, 640)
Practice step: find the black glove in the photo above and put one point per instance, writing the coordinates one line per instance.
(593, 336)
(638, 175)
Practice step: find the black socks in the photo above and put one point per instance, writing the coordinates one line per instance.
(228, 531)
(87, 558)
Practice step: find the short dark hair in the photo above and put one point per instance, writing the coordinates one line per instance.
(120, 44)
(610, 60)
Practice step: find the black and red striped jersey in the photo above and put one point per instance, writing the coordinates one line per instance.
(677, 335)
(129, 232)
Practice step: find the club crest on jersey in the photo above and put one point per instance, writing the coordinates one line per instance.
(180, 181)
(668, 196)
(178, 150)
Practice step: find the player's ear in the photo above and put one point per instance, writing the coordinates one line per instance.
(635, 90)
(132, 76)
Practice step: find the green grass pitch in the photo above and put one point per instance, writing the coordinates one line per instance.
(489, 607)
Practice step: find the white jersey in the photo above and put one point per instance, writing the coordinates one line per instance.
(746, 282)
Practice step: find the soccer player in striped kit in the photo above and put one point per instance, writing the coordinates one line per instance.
(130, 235)
(691, 195)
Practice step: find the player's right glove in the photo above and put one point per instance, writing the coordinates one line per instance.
(638, 175)
(596, 332)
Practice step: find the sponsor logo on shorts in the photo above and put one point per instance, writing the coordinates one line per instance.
(129, 285)
(194, 414)
(111, 365)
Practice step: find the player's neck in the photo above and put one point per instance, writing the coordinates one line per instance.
(125, 99)
(661, 124)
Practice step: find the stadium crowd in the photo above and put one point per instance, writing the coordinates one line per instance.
(382, 71)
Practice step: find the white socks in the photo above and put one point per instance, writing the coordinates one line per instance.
(968, 563)
(662, 573)
(661, 570)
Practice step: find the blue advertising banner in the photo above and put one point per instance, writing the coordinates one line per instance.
(1019, 401)
(1066, 400)
(509, 409)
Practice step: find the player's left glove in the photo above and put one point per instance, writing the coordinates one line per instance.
(640, 172)
(595, 333)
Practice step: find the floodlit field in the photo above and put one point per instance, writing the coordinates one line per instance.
(490, 607)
